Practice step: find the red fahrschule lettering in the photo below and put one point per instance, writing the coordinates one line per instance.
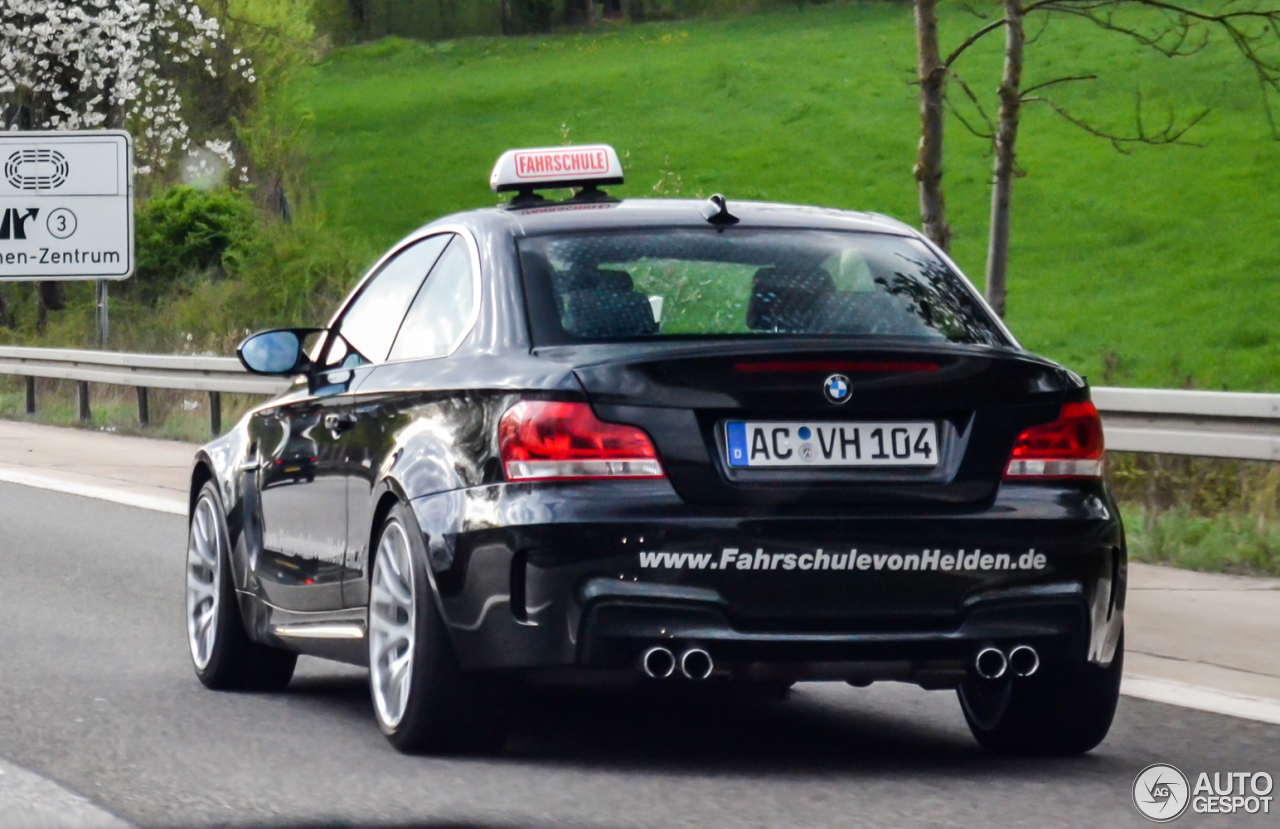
(548, 164)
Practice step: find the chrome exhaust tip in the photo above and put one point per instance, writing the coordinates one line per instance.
(990, 663)
(1024, 661)
(658, 663)
(696, 663)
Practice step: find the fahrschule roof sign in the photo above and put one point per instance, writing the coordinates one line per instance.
(66, 205)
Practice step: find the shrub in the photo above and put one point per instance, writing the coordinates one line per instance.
(532, 15)
(1204, 487)
(296, 274)
(185, 231)
(1231, 542)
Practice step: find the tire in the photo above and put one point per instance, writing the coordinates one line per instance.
(224, 656)
(423, 701)
(1062, 711)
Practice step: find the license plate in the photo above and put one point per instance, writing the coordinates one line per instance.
(799, 444)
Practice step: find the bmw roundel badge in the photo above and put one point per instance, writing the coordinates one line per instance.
(837, 388)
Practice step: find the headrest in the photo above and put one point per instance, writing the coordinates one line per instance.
(615, 281)
(786, 299)
(608, 314)
(593, 279)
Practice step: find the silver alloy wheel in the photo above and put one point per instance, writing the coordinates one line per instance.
(204, 582)
(391, 625)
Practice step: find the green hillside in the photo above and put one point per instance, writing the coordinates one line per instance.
(1159, 267)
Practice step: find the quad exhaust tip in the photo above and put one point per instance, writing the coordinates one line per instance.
(658, 663)
(1024, 661)
(696, 663)
(990, 663)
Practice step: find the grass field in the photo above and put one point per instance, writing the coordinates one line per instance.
(1158, 267)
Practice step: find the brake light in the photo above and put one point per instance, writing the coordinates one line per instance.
(542, 440)
(874, 366)
(1069, 447)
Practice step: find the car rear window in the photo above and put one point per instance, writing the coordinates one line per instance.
(598, 286)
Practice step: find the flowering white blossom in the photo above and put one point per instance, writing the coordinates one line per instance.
(93, 64)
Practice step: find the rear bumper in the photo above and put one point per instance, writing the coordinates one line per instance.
(533, 576)
(616, 630)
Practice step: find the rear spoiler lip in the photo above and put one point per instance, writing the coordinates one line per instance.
(772, 348)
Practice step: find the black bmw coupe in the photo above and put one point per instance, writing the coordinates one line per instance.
(726, 443)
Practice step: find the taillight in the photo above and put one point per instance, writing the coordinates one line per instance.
(545, 440)
(1069, 447)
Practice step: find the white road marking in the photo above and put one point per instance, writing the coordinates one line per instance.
(1201, 698)
(175, 505)
(29, 800)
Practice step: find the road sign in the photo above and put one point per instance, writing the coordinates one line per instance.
(66, 205)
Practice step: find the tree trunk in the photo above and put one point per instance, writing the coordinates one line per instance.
(1006, 139)
(50, 296)
(102, 315)
(360, 17)
(928, 170)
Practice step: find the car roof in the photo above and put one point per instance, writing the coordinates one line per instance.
(574, 215)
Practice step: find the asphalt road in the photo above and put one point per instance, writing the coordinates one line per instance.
(97, 694)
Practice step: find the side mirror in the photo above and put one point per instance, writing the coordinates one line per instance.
(278, 352)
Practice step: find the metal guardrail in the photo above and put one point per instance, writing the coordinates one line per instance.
(214, 375)
(1205, 423)
(1211, 424)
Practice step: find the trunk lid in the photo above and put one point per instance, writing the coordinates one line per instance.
(685, 393)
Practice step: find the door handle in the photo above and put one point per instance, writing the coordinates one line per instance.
(339, 423)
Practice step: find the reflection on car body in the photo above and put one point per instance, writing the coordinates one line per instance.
(600, 434)
(296, 461)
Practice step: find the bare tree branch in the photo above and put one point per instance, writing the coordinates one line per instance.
(1041, 4)
(1174, 39)
(1067, 79)
(1173, 28)
(1191, 11)
(1043, 28)
(969, 93)
(1254, 31)
(1171, 133)
(970, 8)
(972, 39)
(1181, 30)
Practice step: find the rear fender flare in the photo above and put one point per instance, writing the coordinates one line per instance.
(387, 494)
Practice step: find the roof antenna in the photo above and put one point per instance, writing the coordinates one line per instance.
(716, 211)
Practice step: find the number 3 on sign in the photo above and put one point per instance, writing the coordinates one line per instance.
(61, 223)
